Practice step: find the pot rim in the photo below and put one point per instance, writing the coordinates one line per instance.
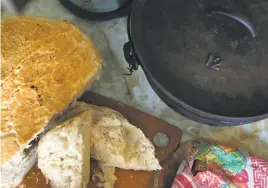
(98, 16)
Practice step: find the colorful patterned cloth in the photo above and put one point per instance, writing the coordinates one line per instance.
(214, 166)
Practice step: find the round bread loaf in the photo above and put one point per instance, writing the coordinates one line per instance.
(46, 64)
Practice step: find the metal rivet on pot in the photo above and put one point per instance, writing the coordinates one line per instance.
(161, 139)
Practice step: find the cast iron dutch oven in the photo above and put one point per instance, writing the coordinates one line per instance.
(206, 59)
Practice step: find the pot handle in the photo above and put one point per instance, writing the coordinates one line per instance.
(236, 16)
(130, 58)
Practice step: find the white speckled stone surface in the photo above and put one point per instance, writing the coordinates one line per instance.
(109, 37)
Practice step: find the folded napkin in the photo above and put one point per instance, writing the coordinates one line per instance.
(209, 165)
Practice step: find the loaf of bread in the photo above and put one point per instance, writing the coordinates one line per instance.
(64, 153)
(120, 144)
(45, 65)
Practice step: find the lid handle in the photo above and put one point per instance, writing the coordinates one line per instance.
(236, 16)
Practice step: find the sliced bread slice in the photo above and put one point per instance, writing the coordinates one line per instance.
(120, 144)
(64, 153)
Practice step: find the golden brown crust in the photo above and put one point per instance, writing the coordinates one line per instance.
(45, 65)
(9, 147)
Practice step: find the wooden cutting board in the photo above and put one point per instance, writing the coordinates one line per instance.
(126, 178)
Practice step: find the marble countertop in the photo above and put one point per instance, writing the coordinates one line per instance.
(134, 90)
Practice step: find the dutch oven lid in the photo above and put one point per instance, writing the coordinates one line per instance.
(212, 55)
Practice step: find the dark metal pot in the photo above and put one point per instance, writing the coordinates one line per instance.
(156, 31)
(98, 9)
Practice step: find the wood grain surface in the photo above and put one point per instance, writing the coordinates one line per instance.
(126, 178)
